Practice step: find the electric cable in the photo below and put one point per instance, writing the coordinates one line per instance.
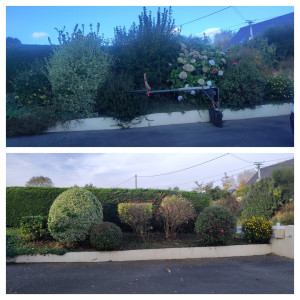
(204, 16)
(184, 168)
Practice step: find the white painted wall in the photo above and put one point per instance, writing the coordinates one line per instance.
(193, 116)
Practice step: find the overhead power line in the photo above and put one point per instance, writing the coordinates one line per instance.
(205, 162)
(237, 11)
(122, 182)
(205, 16)
(233, 155)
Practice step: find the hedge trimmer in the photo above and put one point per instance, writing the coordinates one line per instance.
(215, 114)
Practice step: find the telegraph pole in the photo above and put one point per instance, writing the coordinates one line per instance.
(250, 22)
(258, 165)
(135, 181)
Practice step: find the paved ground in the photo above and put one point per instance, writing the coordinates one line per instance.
(259, 132)
(268, 274)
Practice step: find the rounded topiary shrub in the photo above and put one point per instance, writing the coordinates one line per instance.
(257, 230)
(105, 236)
(216, 225)
(72, 214)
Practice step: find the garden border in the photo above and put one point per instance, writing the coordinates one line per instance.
(282, 244)
(159, 119)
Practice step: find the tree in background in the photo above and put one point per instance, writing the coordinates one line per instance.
(230, 182)
(12, 41)
(215, 193)
(39, 181)
(222, 39)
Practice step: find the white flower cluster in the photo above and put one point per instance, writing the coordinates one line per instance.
(189, 68)
(182, 75)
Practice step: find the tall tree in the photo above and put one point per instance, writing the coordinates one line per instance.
(221, 39)
(39, 181)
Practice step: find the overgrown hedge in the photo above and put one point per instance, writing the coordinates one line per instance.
(19, 57)
(33, 201)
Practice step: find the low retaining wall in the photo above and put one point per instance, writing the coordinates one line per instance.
(282, 244)
(149, 254)
(193, 116)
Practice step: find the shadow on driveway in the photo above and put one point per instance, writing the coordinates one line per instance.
(268, 274)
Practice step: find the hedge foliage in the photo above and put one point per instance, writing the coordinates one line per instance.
(20, 57)
(34, 201)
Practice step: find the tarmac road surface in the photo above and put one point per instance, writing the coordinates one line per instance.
(269, 274)
(259, 132)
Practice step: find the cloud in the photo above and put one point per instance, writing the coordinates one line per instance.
(210, 32)
(38, 35)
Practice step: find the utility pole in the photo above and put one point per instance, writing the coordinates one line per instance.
(258, 165)
(250, 22)
(135, 181)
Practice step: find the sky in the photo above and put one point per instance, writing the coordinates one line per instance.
(109, 170)
(34, 24)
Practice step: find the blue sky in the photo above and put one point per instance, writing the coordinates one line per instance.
(111, 169)
(33, 24)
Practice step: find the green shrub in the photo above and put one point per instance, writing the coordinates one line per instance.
(215, 226)
(148, 47)
(105, 236)
(32, 87)
(243, 84)
(231, 203)
(176, 211)
(27, 120)
(75, 70)
(13, 244)
(279, 88)
(34, 228)
(20, 57)
(115, 101)
(137, 216)
(261, 200)
(34, 201)
(72, 214)
(283, 38)
(285, 214)
(283, 178)
(257, 230)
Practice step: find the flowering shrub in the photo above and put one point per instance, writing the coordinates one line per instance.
(176, 211)
(72, 214)
(257, 230)
(198, 68)
(216, 225)
(137, 216)
(280, 88)
(105, 236)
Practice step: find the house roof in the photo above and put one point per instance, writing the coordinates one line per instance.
(244, 33)
(267, 171)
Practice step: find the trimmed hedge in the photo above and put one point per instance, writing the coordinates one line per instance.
(34, 201)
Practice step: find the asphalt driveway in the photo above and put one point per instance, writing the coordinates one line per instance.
(268, 274)
(259, 132)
